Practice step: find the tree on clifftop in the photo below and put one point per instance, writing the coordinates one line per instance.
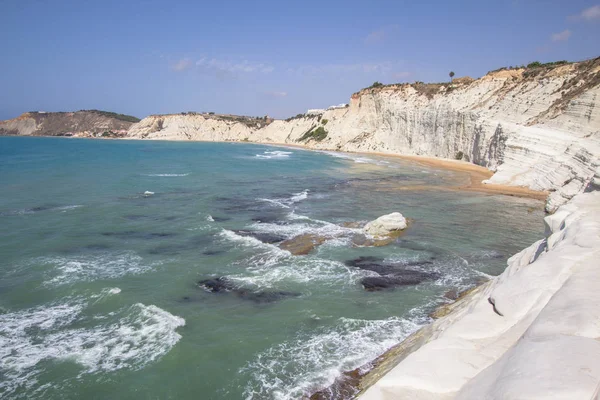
(451, 75)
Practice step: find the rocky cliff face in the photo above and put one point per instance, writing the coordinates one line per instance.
(536, 127)
(80, 123)
(529, 333)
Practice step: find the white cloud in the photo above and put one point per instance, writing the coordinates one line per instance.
(232, 67)
(276, 94)
(181, 65)
(589, 14)
(379, 35)
(561, 36)
(375, 37)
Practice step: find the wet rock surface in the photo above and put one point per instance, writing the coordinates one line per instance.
(391, 275)
(224, 285)
(364, 241)
(302, 244)
(264, 237)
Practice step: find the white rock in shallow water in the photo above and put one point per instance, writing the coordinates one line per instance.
(386, 224)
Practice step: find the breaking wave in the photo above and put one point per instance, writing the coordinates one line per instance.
(297, 367)
(85, 268)
(277, 154)
(134, 337)
(167, 175)
(287, 202)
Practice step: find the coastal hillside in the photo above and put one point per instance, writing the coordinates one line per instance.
(535, 126)
(84, 123)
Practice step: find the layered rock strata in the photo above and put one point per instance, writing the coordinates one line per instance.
(536, 127)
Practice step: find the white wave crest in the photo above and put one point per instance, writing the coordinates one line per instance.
(299, 270)
(295, 368)
(140, 335)
(278, 154)
(267, 254)
(85, 268)
(167, 175)
(289, 201)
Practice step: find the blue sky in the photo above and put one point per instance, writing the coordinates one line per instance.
(265, 57)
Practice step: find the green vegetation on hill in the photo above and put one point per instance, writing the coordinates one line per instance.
(429, 89)
(297, 116)
(120, 117)
(532, 65)
(314, 133)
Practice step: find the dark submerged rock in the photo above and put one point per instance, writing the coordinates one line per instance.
(139, 235)
(216, 285)
(405, 278)
(224, 285)
(269, 219)
(391, 275)
(264, 237)
(213, 252)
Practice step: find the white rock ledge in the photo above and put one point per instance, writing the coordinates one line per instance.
(546, 344)
(386, 225)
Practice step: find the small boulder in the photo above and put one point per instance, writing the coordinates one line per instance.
(302, 244)
(386, 225)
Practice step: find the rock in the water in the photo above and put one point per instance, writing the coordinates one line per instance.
(302, 244)
(217, 285)
(223, 285)
(264, 237)
(391, 275)
(405, 277)
(386, 225)
(361, 240)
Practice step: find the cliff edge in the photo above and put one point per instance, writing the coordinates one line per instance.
(534, 127)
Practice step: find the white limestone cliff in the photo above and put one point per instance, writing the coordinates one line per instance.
(531, 333)
(537, 128)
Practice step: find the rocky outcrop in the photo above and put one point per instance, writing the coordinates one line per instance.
(536, 127)
(91, 123)
(531, 332)
(302, 244)
(386, 225)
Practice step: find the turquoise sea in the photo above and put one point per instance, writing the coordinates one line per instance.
(107, 293)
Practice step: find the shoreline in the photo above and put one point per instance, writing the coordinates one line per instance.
(535, 313)
(476, 173)
(353, 384)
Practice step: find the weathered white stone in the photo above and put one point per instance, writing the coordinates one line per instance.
(386, 225)
(543, 346)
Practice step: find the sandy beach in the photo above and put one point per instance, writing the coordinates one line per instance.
(477, 174)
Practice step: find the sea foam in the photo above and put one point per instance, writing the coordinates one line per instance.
(287, 202)
(278, 154)
(167, 175)
(295, 368)
(137, 335)
(85, 268)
